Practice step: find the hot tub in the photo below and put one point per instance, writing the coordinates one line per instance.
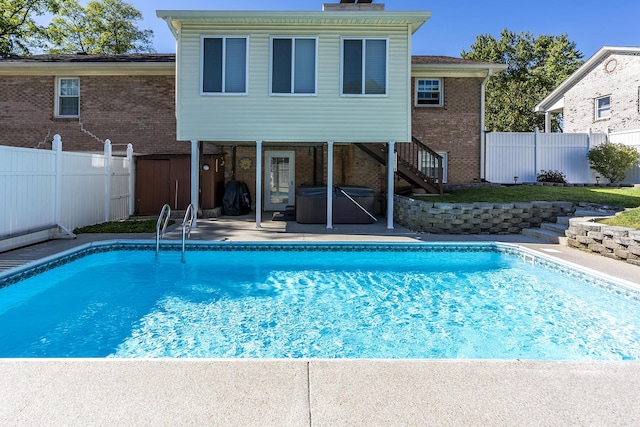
(311, 205)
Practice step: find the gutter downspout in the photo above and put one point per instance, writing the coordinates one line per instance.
(482, 125)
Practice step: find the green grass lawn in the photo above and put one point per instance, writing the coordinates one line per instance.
(128, 226)
(622, 197)
(629, 219)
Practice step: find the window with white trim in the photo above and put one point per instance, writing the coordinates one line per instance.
(293, 65)
(224, 65)
(67, 97)
(364, 66)
(429, 93)
(603, 107)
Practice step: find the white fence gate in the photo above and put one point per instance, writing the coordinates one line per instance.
(42, 189)
(515, 156)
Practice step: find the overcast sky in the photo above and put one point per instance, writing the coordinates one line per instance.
(454, 25)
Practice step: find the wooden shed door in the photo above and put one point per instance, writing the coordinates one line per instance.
(153, 187)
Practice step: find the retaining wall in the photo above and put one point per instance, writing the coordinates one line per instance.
(476, 218)
(609, 241)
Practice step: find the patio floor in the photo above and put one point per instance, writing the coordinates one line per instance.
(319, 392)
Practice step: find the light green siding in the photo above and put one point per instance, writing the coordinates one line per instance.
(327, 116)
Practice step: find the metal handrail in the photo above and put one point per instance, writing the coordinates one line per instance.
(187, 223)
(166, 214)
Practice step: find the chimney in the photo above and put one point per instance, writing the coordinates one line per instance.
(353, 5)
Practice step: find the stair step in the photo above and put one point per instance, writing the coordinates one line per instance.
(586, 212)
(555, 227)
(564, 220)
(542, 234)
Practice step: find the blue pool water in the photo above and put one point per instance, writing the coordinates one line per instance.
(309, 301)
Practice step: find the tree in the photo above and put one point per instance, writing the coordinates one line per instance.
(18, 29)
(612, 160)
(102, 27)
(536, 66)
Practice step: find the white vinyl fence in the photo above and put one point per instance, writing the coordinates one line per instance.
(525, 155)
(42, 189)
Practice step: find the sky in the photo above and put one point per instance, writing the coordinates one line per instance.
(453, 25)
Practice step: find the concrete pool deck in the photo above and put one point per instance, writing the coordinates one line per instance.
(319, 392)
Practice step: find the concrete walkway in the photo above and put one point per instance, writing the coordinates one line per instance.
(105, 392)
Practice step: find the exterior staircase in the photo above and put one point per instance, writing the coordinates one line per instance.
(417, 164)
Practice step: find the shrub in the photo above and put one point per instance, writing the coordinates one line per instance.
(612, 160)
(552, 176)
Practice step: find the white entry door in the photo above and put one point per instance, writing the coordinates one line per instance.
(279, 180)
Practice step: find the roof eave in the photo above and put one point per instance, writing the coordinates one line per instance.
(414, 19)
(87, 68)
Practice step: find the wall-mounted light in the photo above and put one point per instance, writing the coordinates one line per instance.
(205, 167)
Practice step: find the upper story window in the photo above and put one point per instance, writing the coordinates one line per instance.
(429, 93)
(603, 107)
(364, 66)
(293, 65)
(68, 97)
(224, 65)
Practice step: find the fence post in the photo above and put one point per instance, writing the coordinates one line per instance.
(589, 145)
(537, 152)
(107, 172)
(56, 146)
(131, 188)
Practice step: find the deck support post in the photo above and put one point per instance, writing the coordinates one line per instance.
(391, 165)
(195, 179)
(258, 184)
(330, 184)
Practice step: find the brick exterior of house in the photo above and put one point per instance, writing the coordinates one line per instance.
(617, 75)
(124, 109)
(453, 128)
(139, 108)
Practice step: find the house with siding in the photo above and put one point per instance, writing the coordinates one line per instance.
(306, 98)
(602, 95)
(323, 98)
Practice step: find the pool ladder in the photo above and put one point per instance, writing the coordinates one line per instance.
(187, 223)
(161, 225)
(163, 221)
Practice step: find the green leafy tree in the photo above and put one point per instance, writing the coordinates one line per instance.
(536, 66)
(102, 27)
(18, 28)
(612, 160)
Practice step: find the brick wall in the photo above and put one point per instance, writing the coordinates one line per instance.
(124, 109)
(454, 128)
(618, 75)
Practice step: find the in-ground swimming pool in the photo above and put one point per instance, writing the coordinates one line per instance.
(235, 300)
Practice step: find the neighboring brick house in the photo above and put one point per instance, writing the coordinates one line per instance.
(602, 95)
(87, 99)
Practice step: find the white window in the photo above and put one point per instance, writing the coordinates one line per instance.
(224, 65)
(603, 107)
(68, 97)
(429, 93)
(364, 66)
(293, 65)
